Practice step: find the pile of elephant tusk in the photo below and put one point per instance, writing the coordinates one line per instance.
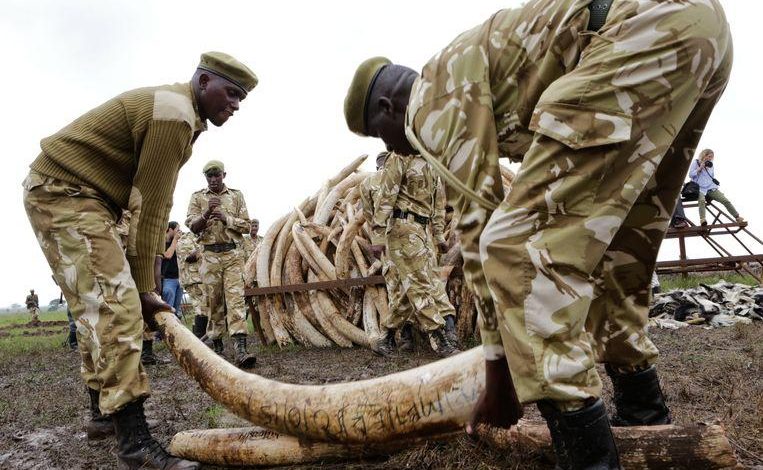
(326, 238)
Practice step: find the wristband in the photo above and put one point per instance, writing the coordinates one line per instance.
(493, 352)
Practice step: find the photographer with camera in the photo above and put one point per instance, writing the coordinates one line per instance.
(703, 173)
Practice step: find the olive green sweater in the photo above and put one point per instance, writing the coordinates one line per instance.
(130, 149)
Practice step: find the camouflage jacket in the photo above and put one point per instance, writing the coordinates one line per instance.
(189, 272)
(249, 245)
(234, 207)
(32, 301)
(410, 184)
(487, 93)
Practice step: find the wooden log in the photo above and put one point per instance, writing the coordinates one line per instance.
(645, 447)
(640, 447)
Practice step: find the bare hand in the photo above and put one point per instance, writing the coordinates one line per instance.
(378, 251)
(498, 405)
(218, 214)
(214, 203)
(150, 303)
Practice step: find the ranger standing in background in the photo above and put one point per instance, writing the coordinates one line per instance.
(218, 215)
(33, 307)
(400, 227)
(189, 261)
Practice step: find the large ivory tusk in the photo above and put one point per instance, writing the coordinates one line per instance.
(437, 397)
(261, 447)
(644, 447)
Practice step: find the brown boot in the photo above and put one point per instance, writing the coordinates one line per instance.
(99, 426)
(137, 449)
(244, 360)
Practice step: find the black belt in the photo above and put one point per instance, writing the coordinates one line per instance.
(599, 10)
(398, 214)
(220, 247)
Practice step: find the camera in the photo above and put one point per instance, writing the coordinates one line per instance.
(708, 164)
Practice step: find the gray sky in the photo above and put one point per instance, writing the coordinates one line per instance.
(63, 58)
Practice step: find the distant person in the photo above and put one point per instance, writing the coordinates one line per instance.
(189, 261)
(702, 172)
(33, 307)
(218, 215)
(71, 339)
(123, 154)
(679, 219)
(251, 240)
(172, 292)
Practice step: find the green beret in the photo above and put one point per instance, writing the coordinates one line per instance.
(357, 96)
(214, 165)
(226, 66)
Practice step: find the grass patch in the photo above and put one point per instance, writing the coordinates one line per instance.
(677, 281)
(212, 415)
(17, 338)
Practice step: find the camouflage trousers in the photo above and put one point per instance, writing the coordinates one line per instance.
(222, 275)
(568, 255)
(35, 313)
(416, 293)
(76, 230)
(196, 296)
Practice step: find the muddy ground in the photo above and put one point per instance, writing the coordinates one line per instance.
(707, 375)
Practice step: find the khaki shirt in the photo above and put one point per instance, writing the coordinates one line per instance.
(249, 245)
(189, 272)
(407, 183)
(32, 301)
(233, 206)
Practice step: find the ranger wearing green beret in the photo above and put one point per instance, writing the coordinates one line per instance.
(124, 154)
(218, 215)
(603, 102)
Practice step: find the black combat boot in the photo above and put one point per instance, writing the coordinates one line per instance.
(450, 330)
(406, 339)
(200, 325)
(638, 398)
(385, 346)
(147, 356)
(441, 344)
(99, 426)
(71, 340)
(244, 360)
(218, 346)
(137, 449)
(582, 439)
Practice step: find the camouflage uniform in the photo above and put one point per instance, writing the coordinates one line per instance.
(222, 274)
(33, 307)
(123, 227)
(249, 245)
(605, 124)
(408, 184)
(79, 238)
(190, 278)
(369, 191)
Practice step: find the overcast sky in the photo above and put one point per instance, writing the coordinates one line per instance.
(64, 58)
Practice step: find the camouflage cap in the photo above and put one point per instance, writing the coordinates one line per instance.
(226, 66)
(214, 165)
(356, 101)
